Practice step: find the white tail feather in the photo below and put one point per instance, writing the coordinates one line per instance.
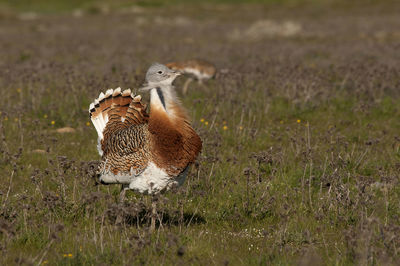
(117, 92)
(101, 123)
(94, 121)
(98, 127)
(101, 96)
(101, 119)
(126, 92)
(97, 123)
(109, 92)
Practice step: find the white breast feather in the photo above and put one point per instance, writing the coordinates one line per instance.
(151, 181)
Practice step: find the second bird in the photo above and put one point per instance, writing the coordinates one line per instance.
(198, 69)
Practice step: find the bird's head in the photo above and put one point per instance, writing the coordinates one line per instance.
(159, 74)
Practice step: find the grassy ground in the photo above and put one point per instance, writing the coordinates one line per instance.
(300, 163)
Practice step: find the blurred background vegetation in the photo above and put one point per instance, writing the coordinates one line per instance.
(61, 6)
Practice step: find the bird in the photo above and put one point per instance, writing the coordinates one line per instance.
(147, 152)
(198, 69)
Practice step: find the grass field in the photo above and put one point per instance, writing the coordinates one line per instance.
(301, 145)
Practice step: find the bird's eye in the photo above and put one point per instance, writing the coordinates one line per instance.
(159, 72)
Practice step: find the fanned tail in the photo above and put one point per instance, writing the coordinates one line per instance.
(116, 105)
(136, 112)
(99, 109)
(116, 109)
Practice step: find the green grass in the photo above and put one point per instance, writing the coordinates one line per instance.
(244, 218)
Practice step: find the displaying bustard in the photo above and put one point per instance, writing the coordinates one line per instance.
(147, 153)
(198, 69)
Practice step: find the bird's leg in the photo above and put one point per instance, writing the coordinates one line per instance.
(124, 188)
(186, 85)
(120, 217)
(153, 214)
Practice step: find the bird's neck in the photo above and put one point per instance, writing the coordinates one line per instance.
(161, 98)
(163, 101)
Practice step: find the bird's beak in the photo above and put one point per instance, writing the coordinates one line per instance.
(174, 74)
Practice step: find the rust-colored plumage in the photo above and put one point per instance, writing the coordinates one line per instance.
(131, 139)
(174, 143)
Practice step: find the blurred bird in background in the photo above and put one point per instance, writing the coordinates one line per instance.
(195, 69)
